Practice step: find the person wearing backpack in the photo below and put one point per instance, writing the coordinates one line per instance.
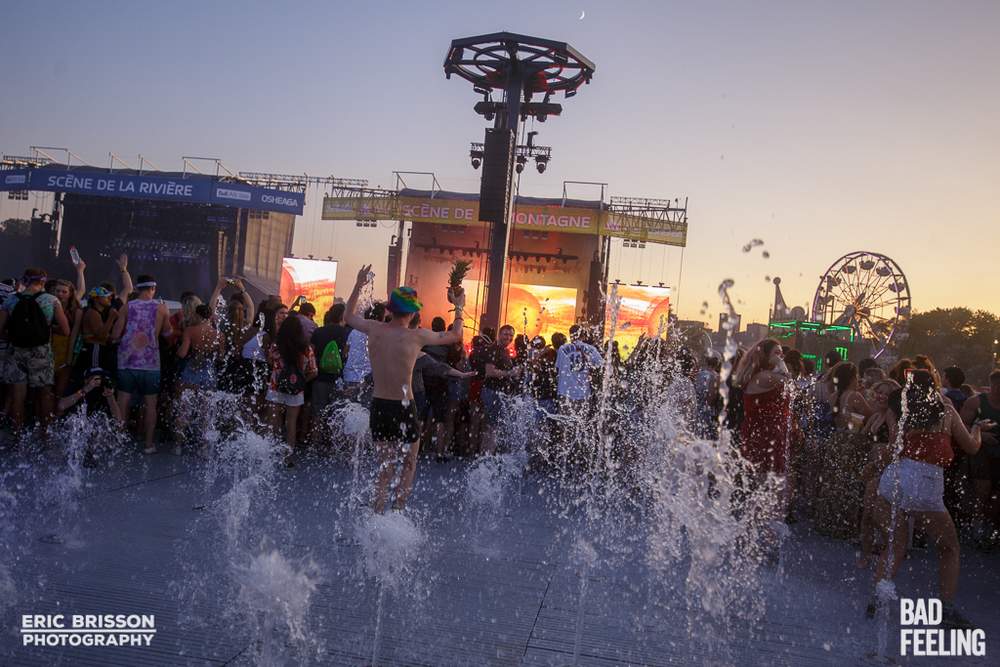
(329, 343)
(26, 321)
(293, 364)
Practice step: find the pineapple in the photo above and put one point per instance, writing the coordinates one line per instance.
(458, 272)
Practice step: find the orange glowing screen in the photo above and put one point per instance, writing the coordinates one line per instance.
(538, 310)
(643, 310)
(315, 279)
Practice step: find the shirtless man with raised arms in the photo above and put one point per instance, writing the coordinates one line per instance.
(393, 348)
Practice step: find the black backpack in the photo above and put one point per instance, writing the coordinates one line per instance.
(291, 380)
(27, 325)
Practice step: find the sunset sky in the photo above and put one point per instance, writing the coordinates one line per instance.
(820, 128)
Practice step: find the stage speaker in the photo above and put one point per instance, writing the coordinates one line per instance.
(494, 192)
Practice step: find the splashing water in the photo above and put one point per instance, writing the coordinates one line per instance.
(487, 483)
(82, 436)
(885, 590)
(391, 545)
(279, 593)
(353, 420)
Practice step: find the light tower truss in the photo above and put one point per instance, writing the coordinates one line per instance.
(339, 187)
(646, 214)
(21, 162)
(668, 210)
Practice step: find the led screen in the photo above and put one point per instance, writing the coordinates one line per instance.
(643, 310)
(533, 309)
(315, 279)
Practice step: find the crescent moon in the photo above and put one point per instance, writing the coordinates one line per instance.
(583, 14)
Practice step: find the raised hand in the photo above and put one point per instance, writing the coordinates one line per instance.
(363, 274)
(122, 262)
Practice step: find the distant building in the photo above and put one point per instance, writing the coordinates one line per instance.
(691, 324)
(755, 332)
(724, 317)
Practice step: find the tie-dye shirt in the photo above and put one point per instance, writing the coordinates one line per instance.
(140, 347)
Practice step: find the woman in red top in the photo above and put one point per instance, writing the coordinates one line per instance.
(761, 374)
(913, 485)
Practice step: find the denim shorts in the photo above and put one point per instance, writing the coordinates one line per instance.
(913, 486)
(289, 400)
(198, 375)
(141, 383)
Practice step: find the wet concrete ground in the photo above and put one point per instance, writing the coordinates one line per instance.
(490, 588)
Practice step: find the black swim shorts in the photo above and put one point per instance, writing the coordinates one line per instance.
(391, 421)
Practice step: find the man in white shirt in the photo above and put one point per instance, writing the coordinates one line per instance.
(358, 367)
(574, 362)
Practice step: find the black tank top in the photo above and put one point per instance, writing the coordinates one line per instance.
(987, 411)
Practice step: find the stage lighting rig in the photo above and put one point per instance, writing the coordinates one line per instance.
(524, 152)
(476, 154)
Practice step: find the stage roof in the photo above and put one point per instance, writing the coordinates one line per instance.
(187, 188)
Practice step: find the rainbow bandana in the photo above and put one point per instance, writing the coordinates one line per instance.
(404, 300)
(98, 291)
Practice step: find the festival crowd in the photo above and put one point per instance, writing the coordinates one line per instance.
(891, 458)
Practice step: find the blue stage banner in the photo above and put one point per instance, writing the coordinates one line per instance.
(193, 189)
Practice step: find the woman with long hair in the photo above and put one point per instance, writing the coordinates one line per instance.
(761, 376)
(64, 347)
(843, 456)
(293, 364)
(274, 317)
(237, 328)
(912, 486)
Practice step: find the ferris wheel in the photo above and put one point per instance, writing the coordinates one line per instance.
(868, 292)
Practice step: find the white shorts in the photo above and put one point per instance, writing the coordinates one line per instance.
(291, 400)
(913, 486)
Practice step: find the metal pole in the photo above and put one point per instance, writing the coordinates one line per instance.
(500, 228)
